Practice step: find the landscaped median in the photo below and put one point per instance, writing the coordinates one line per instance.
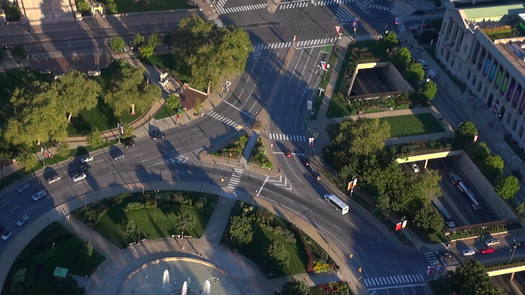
(128, 218)
(415, 124)
(33, 272)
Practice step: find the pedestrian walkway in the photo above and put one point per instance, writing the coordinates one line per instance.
(219, 220)
(298, 44)
(223, 119)
(235, 178)
(243, 8)
(344, 16)
(395, 281)
(287, 137)
(248, 149)
(295, 4)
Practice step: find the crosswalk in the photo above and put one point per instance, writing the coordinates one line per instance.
(224, 120)
(299, 44)
(331, 2)
(431, 258)
(395, 280)
(242, 8)
(219, 4)
(235, 179)
(295, 4)
(343, 16)
(291, 137)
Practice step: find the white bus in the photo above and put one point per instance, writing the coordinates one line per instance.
(339, 205)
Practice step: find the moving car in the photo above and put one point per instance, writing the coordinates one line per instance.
(287, 153)
(156, 134)
(488, 250)
(86, 159)
(39, 195)
(396, 20)
(23, 219)
(5, 234)
(53, 178)
(468, 252)
(22, 187)
(79, 177)
(492, 242)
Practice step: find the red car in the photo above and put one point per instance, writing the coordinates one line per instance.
(488, 250)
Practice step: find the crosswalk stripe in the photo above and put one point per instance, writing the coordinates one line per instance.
(401, 279)
(420, 277)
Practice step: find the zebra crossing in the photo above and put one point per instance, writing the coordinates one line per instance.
(431, 258)
(343, 16)
(281, 136)
(235, 179)
(296, 4)
(395, 280)
(243, 8)
(331, 2)
(299, 44)
(224, 120)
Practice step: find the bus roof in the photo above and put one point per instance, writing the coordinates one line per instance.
(337, 201)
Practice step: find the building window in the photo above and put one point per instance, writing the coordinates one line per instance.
(514, 125)
(520, 132)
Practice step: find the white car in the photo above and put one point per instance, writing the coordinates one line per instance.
(79, 177)
(468, 252)
(415, 168)
(39, 195)
(53, 179)
(22, 220)
(6, 234)
(86, 159)
(492, 242)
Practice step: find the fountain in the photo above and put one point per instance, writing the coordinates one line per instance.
(207, 287)
(165, 279)
(184, 288)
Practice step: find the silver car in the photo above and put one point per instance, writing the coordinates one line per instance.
(86, 159)
(39, 195)
(492, 242)
(79, 177)
(53, 179)
(22, 220)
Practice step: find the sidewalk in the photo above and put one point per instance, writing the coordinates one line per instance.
(219, 220)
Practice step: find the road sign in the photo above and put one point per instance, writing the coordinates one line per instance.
(325, 66)
(352, 184)
(227, 85)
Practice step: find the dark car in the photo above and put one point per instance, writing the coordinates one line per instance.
(5, 234)
(156, 134)
(287, 153)
(118, 154)
(128, 142)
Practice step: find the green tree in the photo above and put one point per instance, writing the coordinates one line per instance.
(111, 6)
(479, 151)
(148, 49)
(185, 221)
(95, 138)
(174, 103)
(18, 52)
(277, 254)
(428, 219)
(130, 91)
(508, 187)
(76, 93)
(402, 58)
(471, 279)
(465, 133)
(63, 150)
(521, 208)
(492, 167)
(28, 160)
(117, 44)
(295, 287)
(415, 73)
(12, 12)
(240, 230)
(429, 90)
(390, 39)
(426, 185)
(364, 136)
(129, 131)
(83, 7)
(138, 40)
(37, 116)
(130, 230)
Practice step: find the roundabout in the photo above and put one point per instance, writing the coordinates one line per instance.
(178, 275)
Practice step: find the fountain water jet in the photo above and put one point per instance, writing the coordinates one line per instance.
(184, 290)
(207, 287)
(165, 278)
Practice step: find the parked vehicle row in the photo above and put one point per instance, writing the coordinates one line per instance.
(488, 249)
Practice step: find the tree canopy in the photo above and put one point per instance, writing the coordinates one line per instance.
(508, 187)
(295, 287)
(471, 279)
(240, 230)
(77, 93)
(429, 219)
(277, 253)
(465, 132)
(429, 90)
(207, 52)
(364, 136)
(117, 44)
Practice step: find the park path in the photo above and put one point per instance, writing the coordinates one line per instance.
(219, 220)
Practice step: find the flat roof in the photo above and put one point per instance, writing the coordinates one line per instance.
(492, 12)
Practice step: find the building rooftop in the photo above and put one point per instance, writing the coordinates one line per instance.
(492, 12)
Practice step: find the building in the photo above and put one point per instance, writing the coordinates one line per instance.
(484, 47)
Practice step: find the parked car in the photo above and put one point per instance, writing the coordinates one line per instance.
(156, 134)
(53, 178)
(79, 177)
(492, 242)
(128, 142)
(5, 234)
(22, 220)
(39, 195)
(86, 159)
(22, 187)
(488, 250)
(454, 178)
(117, 155)
(468, 252)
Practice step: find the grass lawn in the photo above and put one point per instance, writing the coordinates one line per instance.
(234, 149)
(413, 124)
(124, 6)
(338, 107)
(267, 228)
(165, 112)
(52, 247)
(259, 157)
(152, 223)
